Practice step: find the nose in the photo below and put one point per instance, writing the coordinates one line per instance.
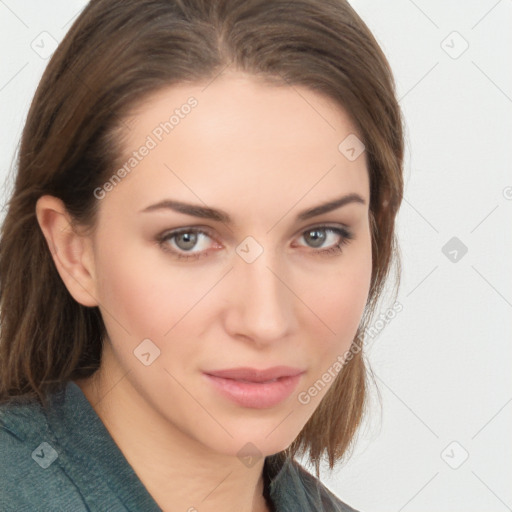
(261, 304)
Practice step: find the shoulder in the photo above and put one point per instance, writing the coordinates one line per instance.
(28, 475)
(314, 487)
(293, 488)
(19, 424)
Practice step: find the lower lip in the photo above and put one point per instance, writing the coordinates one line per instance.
(255, 395)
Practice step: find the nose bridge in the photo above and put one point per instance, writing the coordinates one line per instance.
(262, 302)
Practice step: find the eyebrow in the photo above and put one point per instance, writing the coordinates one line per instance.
(221, 216)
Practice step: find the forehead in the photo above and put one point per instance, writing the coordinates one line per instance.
(238, 106)
(240, 137)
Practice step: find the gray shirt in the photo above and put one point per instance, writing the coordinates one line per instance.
(64, 459)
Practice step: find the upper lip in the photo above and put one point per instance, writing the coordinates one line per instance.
(255, 375)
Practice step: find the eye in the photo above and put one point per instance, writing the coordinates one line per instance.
(181, 242)
(184, 240)
(319, 234)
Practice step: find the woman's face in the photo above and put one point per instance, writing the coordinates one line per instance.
(266, 288)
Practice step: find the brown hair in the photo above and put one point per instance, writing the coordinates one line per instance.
(116, 53)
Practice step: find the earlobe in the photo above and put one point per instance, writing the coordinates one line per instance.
(69, 250)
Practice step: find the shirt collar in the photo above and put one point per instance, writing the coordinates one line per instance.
(94, 449)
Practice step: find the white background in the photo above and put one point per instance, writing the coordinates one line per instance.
(443, 364)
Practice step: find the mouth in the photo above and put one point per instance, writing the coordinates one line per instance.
(246, 374)
(254, 389)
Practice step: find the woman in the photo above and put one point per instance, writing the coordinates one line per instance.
(202, 223)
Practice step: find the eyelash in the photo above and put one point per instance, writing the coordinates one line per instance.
(346, 237)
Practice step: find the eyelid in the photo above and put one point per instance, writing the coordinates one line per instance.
(209, 231)
(345, 234)
(324, 225)
(340, 229)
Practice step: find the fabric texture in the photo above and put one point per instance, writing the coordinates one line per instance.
(64, 459)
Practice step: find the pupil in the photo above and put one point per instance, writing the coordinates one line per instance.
(189, 239)
(317, 239)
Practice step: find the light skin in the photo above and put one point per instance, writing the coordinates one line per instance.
(262, 154)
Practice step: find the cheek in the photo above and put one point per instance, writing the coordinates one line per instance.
(340, 299)
(142, 291)
(148, 294)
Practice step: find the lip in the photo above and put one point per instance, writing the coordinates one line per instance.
(253, 388)
(255, 375)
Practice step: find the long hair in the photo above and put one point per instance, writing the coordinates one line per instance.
(117, 53)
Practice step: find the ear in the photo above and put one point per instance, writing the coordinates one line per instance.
(71, 252)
